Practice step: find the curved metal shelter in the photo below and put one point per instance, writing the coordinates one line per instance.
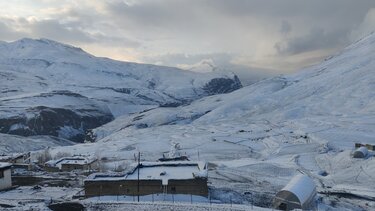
(299, 193)
(360, 152)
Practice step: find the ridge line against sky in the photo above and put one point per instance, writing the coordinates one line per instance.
(253, 38)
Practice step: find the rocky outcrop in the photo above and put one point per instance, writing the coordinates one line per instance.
(222, 85)
(69, 118)
(59, 122)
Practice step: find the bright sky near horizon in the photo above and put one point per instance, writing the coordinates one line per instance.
(250, 37)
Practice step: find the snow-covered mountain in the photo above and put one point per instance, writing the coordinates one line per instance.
(49, 88)
(258, 137)
(341, 87)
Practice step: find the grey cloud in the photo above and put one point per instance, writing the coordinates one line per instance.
(220, 62)
(316, 39)
(116, 41)
(54, 30)
(179, 58)
(285, 27)
(318, 9)
(8, 33)
(70, 32)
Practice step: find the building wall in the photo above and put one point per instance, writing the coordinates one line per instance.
(85, 167)
(196, 186)
(6, 181)
(71, 167)
(146, 187)
(51, 169)
(19, 160)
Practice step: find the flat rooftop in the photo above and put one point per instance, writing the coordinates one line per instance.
(78, 160)
(163, 171)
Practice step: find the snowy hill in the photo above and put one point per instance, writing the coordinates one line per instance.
(258, 137)
(41, 79)
(340, 87)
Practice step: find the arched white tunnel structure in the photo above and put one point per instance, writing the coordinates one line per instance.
(299, 193)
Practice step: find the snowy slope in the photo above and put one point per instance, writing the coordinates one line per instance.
(258, 137)
(12, 143)
(39, 65)
(340, 87)
(42, 79)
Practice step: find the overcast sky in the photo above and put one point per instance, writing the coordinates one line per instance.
(250, 37)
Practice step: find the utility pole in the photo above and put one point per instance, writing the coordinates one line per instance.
(139, 166)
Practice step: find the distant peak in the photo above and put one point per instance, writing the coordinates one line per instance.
(48, 42)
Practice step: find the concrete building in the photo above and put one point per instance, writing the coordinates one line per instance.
(154, 178)
(83, 163)
(5, 176)
(299, 193)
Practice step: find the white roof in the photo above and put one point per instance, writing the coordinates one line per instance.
(79, 160)
(163, 171)
(166, 171)
(5, 165)
(11, 156)
(302, 186)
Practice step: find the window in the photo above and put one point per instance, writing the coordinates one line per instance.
(173, 189)
(1, 174)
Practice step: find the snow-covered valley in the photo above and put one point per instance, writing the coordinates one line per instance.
(255, 139)
(43, 79)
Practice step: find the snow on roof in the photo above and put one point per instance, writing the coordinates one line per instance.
(5, 165)
(164, 171)
(106, 177)
(302, 186)
(4, 157)
(167, 171)
(76, 160)
(200, 165)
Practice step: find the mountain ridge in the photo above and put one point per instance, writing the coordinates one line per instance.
(30, 68)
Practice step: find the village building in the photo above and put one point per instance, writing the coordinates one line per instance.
(19, 161)
(83, 163)
(152, 178)
(299, 193)
(5, 176)
(16, 158)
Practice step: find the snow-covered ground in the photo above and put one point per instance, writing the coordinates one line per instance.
(257, 138)
(12, 143)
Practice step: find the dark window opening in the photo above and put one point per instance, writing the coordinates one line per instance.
(283, 206)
